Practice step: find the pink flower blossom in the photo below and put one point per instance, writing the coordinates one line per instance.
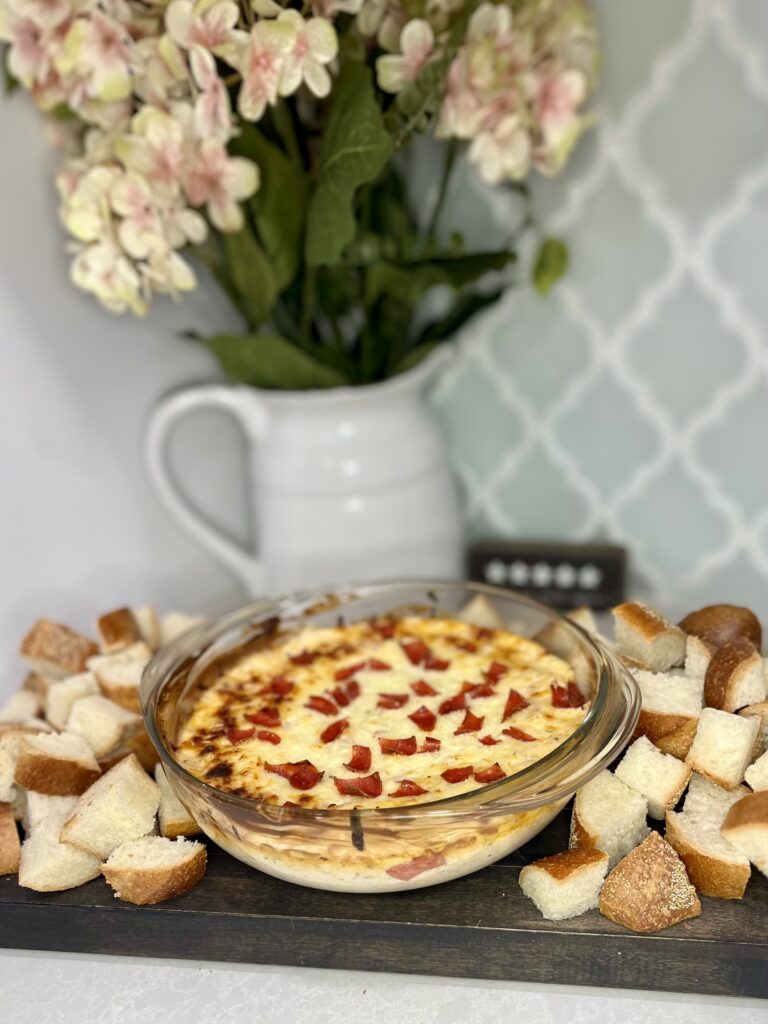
(219, 182)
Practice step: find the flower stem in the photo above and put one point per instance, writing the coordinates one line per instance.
(283, 122)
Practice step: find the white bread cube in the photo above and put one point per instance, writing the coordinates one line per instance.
(135, 652)
(567, 884)
(117, 629)
(39, 685)
(10, 744)
(102, 723)
(149, 626)
(734, 677)
(480, 612)
(645, 635)
(715, 867)
(57, 764)
(746, 827)
(119, 806)
(151, 869)
(723, 747)
(119, 681)
(759, 711)
(22, 705)
(756, 776)
(609, 816)
(62, 695)
(47, 864)
(10, 846)
(698, 654)
(173, 817)
(659, 777)
(671, 705)
(176, 623)
(51, 649)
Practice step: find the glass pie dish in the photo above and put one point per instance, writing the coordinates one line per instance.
(389, 848)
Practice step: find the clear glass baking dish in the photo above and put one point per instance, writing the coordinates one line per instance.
(389, 848)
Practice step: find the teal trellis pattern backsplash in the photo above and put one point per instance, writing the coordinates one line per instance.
(632, 404)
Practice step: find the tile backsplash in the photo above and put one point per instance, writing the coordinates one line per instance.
(632, 404)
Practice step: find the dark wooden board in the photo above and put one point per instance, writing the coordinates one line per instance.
(480, 926)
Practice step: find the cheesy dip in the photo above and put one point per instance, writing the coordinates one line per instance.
(379, 713)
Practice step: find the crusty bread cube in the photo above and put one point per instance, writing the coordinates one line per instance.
(55, 650)
(149, 626)
(119, 806)
(759, 711)
(62, 695)
(57, 764)
(38, 685)
(723, 746)
(176, 623)
(608, 815)
(151, 869)
(671, 705)
(173, 817)
(719, 623)
(120, 680)
(101, 722)
(659, 777)
(649, 889)
(714, 866)
(746, 827)
(47, 864)
(567, 884)
(20, 706)
(734, 677)
(117, 629)
(698, 654)
(10, 744)
(10, 846)
(642, 633)
(756, 776)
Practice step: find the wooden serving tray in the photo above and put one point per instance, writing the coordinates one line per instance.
(480, 926)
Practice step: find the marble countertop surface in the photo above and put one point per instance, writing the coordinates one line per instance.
(54, 988)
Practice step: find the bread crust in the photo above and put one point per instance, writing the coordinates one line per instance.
(710, 875)
(118, 629)
(144, 886)
(750, 810)
(579, 836)
(562, 865)
(726, 668)
(10, 845)
(52, 649)
(672, 734)
(53, 776)
(646, 622)
(720, 623)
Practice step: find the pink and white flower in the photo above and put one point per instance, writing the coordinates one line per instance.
(105, 271)
(219, 182)
(98, 51)
(205, 24)
(315, 45)
(397, 71)
(261, 66)
(213, 110)
(503, 153)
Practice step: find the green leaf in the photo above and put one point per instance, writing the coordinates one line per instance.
(279, 207)
(270, 361)
(252, 275)
(551, 263)
(354, 150)
(413, 357)
(408, 281)
(461, 312)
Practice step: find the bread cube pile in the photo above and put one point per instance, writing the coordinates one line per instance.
(698, 764)
(78, 770)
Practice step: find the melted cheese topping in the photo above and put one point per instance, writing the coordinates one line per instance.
(279, 684)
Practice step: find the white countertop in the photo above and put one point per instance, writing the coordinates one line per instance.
(56, 988)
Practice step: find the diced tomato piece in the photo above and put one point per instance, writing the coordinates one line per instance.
(476, 690)
(423, 689)
(408, 788)
(518, 734)
(411, 868)
(492, 774)
(567, 697)
(436, 664)
(339, 694)
(416, 651)
(429, 744)
(300, 774)
(465, 645)
(471, 723)
(488, 741)
(457, 703)
(393, 700)
(360, 760)
(424, 718)
(384, 628)
(457, 774)
(353, 689)
(368, 785)
(377, 665)
(304, 658)
(266, 716)
(495, 671)
(322, 704)
(349, 671)
(268, 737)
(515, 702)
(333, 730)
(238, 735)
(290, 803)
(281, 686)
(406, 747)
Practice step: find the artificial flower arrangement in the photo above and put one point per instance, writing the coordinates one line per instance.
(270, 141)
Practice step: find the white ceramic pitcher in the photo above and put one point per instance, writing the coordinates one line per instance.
(346, 484)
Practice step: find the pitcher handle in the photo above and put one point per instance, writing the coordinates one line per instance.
(251, 415)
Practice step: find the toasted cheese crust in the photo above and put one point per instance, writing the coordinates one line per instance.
(424, 697)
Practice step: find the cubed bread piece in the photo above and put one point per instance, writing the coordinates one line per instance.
(152, 869)
(746, 828)
(120, 680)
(698, 654)
(117, 629)
(102, 723)
(659, 777)
(62, 695)
(21, 705)
(175, 820)
(119, 806)
(135, 652)
(480, 612)
(671, 705)
(723, 746)
(38, 685)
(47, 864)
(149, 626)
(714, 866)
(644, 634)
(649, 889)
(55, 650)
(10, 744)
(136, 742)
(759, 711)
(58, 764)
(176, 623)
(719, 623)
(608, 815)
(567, 884)
(756, 776)
(734, 677)
(10, 845)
